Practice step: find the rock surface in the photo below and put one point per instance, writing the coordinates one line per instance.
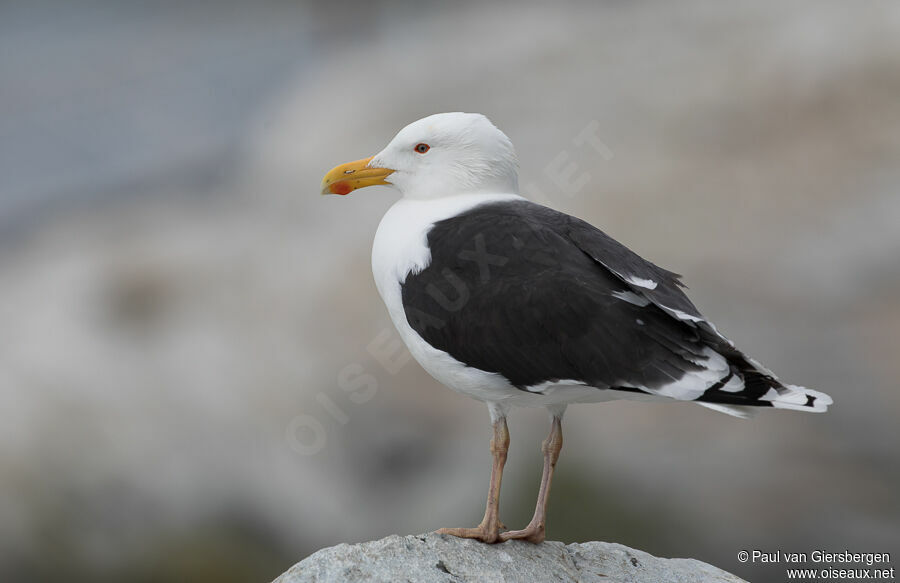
(432, 557)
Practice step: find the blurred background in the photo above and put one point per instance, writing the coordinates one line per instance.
(198, 380)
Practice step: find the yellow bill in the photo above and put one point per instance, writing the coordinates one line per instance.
(346, 178)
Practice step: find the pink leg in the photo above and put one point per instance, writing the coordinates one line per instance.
(489, 529)
(551, 447)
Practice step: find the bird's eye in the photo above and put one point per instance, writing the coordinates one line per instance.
(422, 148)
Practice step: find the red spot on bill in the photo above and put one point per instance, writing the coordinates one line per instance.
(341, 187)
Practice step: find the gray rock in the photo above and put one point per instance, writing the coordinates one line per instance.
(432, 557)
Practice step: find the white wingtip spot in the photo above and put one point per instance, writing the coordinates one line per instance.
(799, 399)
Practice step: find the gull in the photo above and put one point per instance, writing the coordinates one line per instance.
(519, 305)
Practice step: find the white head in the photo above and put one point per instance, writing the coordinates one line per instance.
(440, 155)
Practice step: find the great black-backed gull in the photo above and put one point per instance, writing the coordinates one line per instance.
(516, 304)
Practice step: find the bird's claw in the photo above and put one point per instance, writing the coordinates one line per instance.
(481, 532)
(533, 533)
